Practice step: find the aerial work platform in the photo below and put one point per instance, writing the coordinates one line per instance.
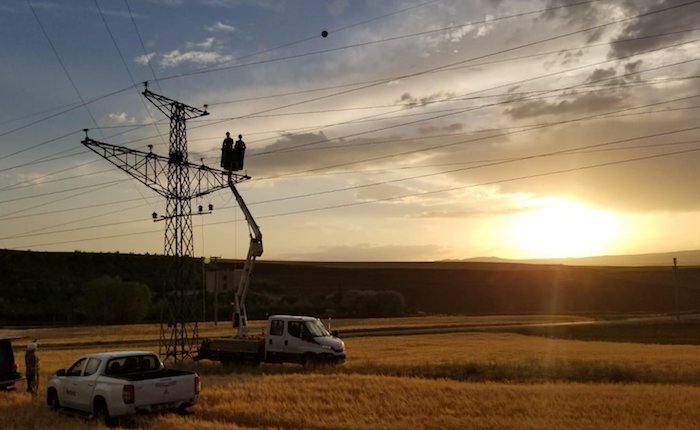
(232, 154)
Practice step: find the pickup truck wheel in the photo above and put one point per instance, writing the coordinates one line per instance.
(101, 413)
(52, 400)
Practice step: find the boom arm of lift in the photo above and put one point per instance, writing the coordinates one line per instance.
(255, 249)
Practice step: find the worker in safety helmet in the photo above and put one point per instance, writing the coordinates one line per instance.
(31, 364)
(226, 148)
(239, 153)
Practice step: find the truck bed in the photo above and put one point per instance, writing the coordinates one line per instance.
(152, 374)
(249, 349)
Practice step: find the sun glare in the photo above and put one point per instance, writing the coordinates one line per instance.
(557, 228)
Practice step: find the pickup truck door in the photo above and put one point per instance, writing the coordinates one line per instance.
(84, 385)
(68, 391)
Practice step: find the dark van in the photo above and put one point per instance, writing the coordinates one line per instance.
(9, 373)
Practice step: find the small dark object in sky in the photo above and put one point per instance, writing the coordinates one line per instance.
(324, 33)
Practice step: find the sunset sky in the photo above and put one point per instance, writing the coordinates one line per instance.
(416, 131)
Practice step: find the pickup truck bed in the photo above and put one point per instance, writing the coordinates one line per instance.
(153, 374)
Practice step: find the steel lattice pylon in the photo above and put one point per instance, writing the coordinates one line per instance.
(179, 182)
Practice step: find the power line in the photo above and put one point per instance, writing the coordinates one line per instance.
(373, 42)
(143, 46)
(434, 69)
(51, 193)
(60, 199)
(63, 66)
(517, 130)
(403, 196)
(480, 64)
(207, 68)
(73, 106)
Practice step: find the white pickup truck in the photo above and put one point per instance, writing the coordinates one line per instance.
(112, 384)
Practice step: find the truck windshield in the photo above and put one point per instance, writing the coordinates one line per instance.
(316, 328)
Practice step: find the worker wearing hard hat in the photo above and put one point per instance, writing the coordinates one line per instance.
(31, 363)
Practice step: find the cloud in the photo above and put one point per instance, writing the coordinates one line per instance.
(582, 14)
(175, 58)
(585, 103)
(273, 5)
(118, 118)
(452, 128)
(221, 27)
(601, 74)
(410, 101)
(654, 24)
(144, 59)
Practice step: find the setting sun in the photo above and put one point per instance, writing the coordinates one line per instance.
(557, 228)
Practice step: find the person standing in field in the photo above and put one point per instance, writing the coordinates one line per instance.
(31, 363)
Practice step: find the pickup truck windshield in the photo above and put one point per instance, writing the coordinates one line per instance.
(132, 364)
(316, 328)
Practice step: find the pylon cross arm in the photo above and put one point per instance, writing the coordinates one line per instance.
(151, 170)
(171, 107)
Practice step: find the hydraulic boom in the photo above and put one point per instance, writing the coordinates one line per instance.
(255, 249)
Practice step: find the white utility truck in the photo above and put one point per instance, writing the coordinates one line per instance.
(112, 384)
(287, 339)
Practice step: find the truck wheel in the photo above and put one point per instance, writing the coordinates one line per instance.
(52, 400)
(101, 413)
(309, 361)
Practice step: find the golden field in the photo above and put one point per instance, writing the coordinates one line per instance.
(443, 381)
(145, 332)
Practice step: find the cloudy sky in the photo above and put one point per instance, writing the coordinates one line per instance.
(416, 130)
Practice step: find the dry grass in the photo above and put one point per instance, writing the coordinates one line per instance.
(426, 382)
(115, 333)
(139, 332)
(326, 402)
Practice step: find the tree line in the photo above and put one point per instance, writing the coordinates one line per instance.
(114, 288)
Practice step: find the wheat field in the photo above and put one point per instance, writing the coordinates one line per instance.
(445, 381)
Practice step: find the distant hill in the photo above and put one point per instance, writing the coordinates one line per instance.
(684, 258)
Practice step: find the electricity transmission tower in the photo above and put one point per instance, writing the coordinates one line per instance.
(179, 181)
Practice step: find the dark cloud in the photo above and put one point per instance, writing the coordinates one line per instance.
(410, 101)
(594, 13)
(658, 23)
(452, 128)
(582, 104)
(569, 57)
(581, 15)
(601, 74)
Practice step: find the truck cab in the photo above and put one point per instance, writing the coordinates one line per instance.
(301, 339)
(9, 372)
